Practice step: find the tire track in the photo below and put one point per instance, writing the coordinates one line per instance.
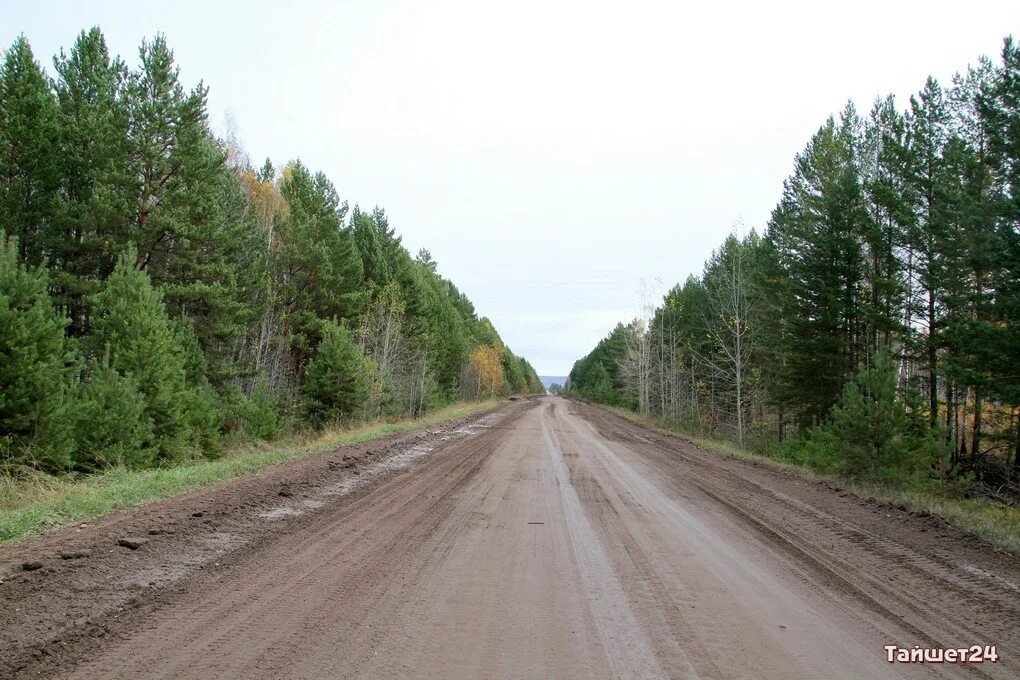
(930, 599)
(560, 542)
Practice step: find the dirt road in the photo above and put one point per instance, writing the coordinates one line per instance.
(548, 539)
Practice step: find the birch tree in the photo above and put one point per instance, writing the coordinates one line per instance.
(727, 283)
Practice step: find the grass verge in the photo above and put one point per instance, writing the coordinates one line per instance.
(30, 506)
(995, 523)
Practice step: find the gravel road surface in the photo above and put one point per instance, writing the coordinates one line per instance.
(546, 539)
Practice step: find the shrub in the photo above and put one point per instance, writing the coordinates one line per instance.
(111, 426)
(203, 418)
(337, 380)
(815, 449)
(130, 319)
(34, 372)
(872, 434)
(253, 415)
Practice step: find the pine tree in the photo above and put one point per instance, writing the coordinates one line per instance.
(876, 436)
(885, 155)
(111, 426)
(97, 178)
(34, 362)
(200, 401)
(317, 264)
(29, 151)
(193, 236)
(447, 346)
(926, 129)
(968, 250)
(336, 383)
(130, 320)
(369, 244)
(596, 376)
(256, 415)
(424, 258)
(817, 237)
(1000, 109)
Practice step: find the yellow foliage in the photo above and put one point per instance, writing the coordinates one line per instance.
(265, 199)
(487, 366)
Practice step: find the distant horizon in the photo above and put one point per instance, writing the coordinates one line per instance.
(550, 380)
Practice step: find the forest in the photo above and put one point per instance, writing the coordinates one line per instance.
(160, 294)
(871, 329)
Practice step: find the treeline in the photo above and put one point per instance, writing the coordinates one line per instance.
(158, 292)
(872, 328)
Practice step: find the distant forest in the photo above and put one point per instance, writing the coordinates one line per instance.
(158, 291)
(872, 328)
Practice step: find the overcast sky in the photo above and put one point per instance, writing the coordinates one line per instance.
(549, 154)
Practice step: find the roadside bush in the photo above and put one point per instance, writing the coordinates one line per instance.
(163, 357)
(34, 368)
(337, 382)
(876, 437)
(111, 426)
(815, 449)
(872, 435)
(203, 419)
(690, 419)
(201, 403)
(253, 415)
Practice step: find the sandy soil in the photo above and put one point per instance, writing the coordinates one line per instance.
(545, 539)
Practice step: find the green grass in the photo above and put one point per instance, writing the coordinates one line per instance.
(31, 505)
(995, 523)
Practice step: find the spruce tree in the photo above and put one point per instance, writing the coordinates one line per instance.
(34, 362)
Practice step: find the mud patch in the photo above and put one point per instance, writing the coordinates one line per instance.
(393, 460)
(87, 588)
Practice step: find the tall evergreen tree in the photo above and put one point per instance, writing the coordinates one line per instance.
(999, 106)
(29, 151)
(192, 239)
(885, 154)
(317, 263)
(928, 238)
(369, 241)
(97, 178)
(817, 236)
